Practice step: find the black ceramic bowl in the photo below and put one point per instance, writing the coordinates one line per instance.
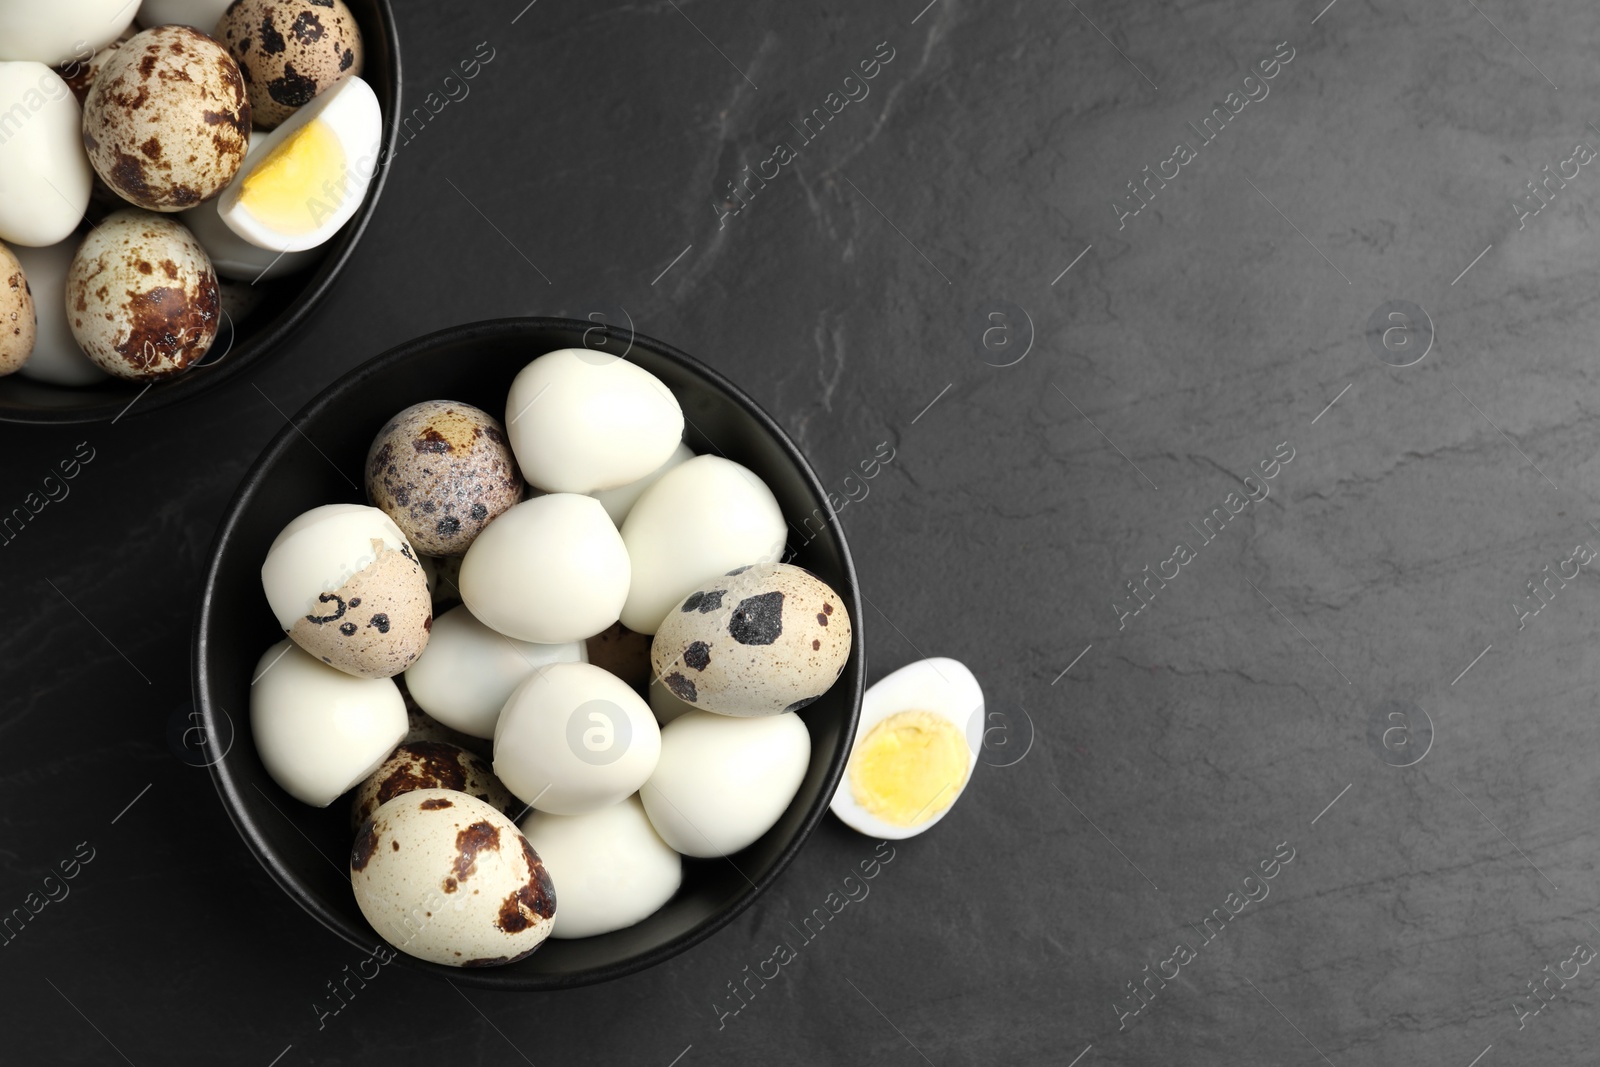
(320, 460)
(285, 301)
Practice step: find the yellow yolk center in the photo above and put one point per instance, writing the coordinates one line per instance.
(909, 767)
(290, 192)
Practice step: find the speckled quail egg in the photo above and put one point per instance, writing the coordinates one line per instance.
(289, 51)
(346, 587)
(56, 356)
(167, 122)
(446, 878)
(573, 738)
(756, 641)
(579, 422)
(914, 749)
(722, 782)
(310, 174)
(429, 765)
(18, 323)
(44, 175)
(467, 672)
(319, 731)
(57, 31)
(142, 298)
(442, 471)
(80, 71)
(612, 867)
(703, 518)
(552, 569)
(622, 652)
(664, 703)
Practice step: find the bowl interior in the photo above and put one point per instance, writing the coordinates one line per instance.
(284, 302)
(319, 460)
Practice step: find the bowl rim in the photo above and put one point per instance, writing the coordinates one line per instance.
(272, 340)
(230, 791)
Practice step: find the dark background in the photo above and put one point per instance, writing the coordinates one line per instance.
(1120, 801)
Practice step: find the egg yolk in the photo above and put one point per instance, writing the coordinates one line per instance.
(296, 186)
(909, 767)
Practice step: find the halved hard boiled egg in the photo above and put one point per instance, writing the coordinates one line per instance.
(310, 174)
(912, 756)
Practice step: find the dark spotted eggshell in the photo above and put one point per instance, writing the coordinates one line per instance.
(289, 51)
(442, 470)
(430, 765)
(376, 624)
(758, 641)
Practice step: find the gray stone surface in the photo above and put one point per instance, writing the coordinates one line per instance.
(1175, 355)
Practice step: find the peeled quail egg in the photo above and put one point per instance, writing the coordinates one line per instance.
(55, 32)
(573, 738)
(447, 878)
(581, 421)
(142, 299)
(311, 173)
(467, 672)
(289, 51)
(199, 14)
(442, 471)
(18, 324)
(56, 356)
(757, 641)
(319, 731)
(912, 754)
(429, 765)
(619, 501)
(44, 175)
(552, 569)
(701, 519)
(346, 587)
(166, 121)
(612, 866)
(722, 782)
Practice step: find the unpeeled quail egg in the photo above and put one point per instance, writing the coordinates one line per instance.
(319, 731)
(166, 121)
(612, 867)
(757, 641)
(701, 519)
(429, 765)
(447, 878)
(289, 51)
(345, 586)
(467, 672)
(18, 323)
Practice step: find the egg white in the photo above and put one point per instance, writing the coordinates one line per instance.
(349, 109)
(939, 685)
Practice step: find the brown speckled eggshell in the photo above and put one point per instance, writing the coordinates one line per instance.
(430, 765)
(19, 323)
(442, 470)
(377, 623)
(167, 122)
(142, 299)
(760, 640)
(289, 51)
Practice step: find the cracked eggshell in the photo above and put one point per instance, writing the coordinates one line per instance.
(319, 731)
(289, 51)
(442, 470)
(142, 299)
(45, 178)
(19, 326)
(574, 738)
(429, 765)
(757, 641)
(54, 33)
(346, 587)
(549, 570)
(581, 421)
(612, 866)
(701, 519)
(446, 878)
(722, 782)
(167, 122)
(468, 671)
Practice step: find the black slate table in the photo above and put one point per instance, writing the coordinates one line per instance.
(1243, 446)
